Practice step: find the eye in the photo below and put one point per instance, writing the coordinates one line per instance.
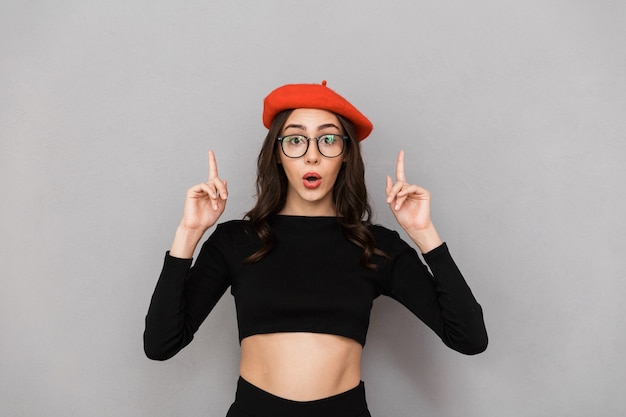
(327, 140)
(295, 140)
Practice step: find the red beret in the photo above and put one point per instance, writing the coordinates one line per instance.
(314, 96)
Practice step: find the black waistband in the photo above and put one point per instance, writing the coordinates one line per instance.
(257, 402)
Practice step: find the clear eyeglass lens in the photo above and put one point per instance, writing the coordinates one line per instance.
(296, 145)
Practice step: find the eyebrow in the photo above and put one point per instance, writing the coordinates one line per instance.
(320, 127)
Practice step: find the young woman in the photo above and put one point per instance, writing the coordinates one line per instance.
(306, 264)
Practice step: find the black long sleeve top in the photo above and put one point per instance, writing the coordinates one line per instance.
(311, 281)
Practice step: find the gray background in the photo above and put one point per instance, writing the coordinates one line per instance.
(511, 113)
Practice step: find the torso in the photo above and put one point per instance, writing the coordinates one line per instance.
(303, 310)
(301, 366)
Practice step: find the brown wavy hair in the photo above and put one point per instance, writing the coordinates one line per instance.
(349, 193)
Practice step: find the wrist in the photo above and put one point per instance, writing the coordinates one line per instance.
(185, 242)
(191, 232)
(426, 239)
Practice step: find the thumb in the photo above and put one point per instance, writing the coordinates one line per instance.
(388, 187)
(389, 184)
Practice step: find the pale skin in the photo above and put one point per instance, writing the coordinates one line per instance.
(304, 366)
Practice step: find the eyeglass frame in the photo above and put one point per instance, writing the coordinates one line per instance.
(317, 142)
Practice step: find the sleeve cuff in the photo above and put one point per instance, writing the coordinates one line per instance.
(174, 263)
(436, 252)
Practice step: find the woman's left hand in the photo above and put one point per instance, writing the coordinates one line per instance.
(409, 203)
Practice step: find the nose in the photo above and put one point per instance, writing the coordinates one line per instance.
(312, 155)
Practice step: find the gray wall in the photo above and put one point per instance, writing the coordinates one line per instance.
(511, 113)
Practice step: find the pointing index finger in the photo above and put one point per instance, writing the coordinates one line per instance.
(400, 167)
(212, 166)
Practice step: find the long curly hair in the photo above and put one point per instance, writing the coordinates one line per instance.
(349, 193)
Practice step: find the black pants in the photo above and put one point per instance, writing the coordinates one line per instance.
(252, 401)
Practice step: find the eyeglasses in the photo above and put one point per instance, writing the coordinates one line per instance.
(295, 146)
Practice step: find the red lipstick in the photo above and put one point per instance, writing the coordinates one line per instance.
(311, 180)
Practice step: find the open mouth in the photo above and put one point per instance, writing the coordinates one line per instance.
(311, 176)
(311, 180)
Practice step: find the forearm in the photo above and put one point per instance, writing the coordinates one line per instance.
(165, 333)
(184, 296)
(185, 242)
(462, 327)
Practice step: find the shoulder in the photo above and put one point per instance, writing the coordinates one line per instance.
(233, 231)
(382, 232)
(235, 240)
(388, 240)
(234, 225)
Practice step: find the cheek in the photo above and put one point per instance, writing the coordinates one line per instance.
(281, 159)
(288, 167)
(341, 164)
(337, 169)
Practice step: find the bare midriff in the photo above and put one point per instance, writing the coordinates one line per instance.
(301, 366)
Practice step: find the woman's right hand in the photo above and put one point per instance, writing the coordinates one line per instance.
(204, 204)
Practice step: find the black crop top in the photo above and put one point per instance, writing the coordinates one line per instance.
(312, 281)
